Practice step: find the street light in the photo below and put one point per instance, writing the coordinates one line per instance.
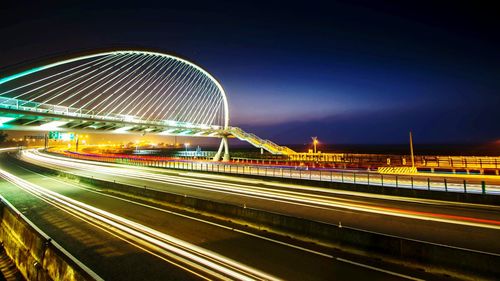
(411, 152)
(186, 145)
(315, 142)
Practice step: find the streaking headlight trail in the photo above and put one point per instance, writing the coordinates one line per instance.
(197, 260)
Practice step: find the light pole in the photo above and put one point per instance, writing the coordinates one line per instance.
(186, 145)
(315, 142)
(76, 144)
(411, 151)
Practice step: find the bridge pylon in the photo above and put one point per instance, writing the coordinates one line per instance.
(224, 144)
(123, 92)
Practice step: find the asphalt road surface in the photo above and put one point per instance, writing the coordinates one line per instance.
(464, 225)
(122, 239)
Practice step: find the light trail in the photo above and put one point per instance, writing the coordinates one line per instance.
(419, 181)
(329, 191)
(272, 194)
(315, 252)
(200, 261)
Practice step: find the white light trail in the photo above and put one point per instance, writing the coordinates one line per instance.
(296, 196)
(203, 261)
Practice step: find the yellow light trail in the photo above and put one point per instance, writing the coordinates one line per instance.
(208, 264)
(296, 197)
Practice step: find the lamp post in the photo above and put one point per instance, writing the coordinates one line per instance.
(315, 142)
(76, 144)
(186, 145)
(411, 151)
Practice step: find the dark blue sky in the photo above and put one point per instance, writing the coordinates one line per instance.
(346, 71)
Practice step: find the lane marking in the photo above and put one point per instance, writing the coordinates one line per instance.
(184, 216)
(202, 259)
(273, 194)
(379, 269)
(162, 171)
(127, 240)
(295, 203)
(237, 230)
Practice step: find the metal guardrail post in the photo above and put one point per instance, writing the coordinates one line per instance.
(465, 186)
(483, 187)
(445, 185)
(428, 184)
(382, 179)
(354, 177)
(368, 178)
(342, 175)
(396, 180)
(411, 178)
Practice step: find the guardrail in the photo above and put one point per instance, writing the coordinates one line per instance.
(35, 254)
(451, 183)
(259, 142)
(421, 161)
(31, 106)
(399, 250)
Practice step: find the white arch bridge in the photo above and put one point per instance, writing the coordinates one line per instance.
(123, 92)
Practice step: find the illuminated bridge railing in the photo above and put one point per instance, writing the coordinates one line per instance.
(68, 112)
(417, 181)
(421, 161)
(152, 91)
(259, 142)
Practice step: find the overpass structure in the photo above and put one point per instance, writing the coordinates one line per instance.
(123, 92)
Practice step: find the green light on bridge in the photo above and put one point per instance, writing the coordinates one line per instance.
(21, 74)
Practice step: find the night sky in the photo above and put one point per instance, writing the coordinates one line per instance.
(346, 71)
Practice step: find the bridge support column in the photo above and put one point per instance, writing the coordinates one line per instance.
(223, 145)
(226, 149)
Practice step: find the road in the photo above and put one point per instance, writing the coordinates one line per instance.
(462, 225)
(121, 239)
(446, 182)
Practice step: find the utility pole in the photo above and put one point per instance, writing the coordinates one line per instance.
(411, 151)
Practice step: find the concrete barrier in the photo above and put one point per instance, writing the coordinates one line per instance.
(35, 255)
(436, 258)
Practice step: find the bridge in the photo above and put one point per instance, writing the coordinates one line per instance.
(136, 218)
(123, 92)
